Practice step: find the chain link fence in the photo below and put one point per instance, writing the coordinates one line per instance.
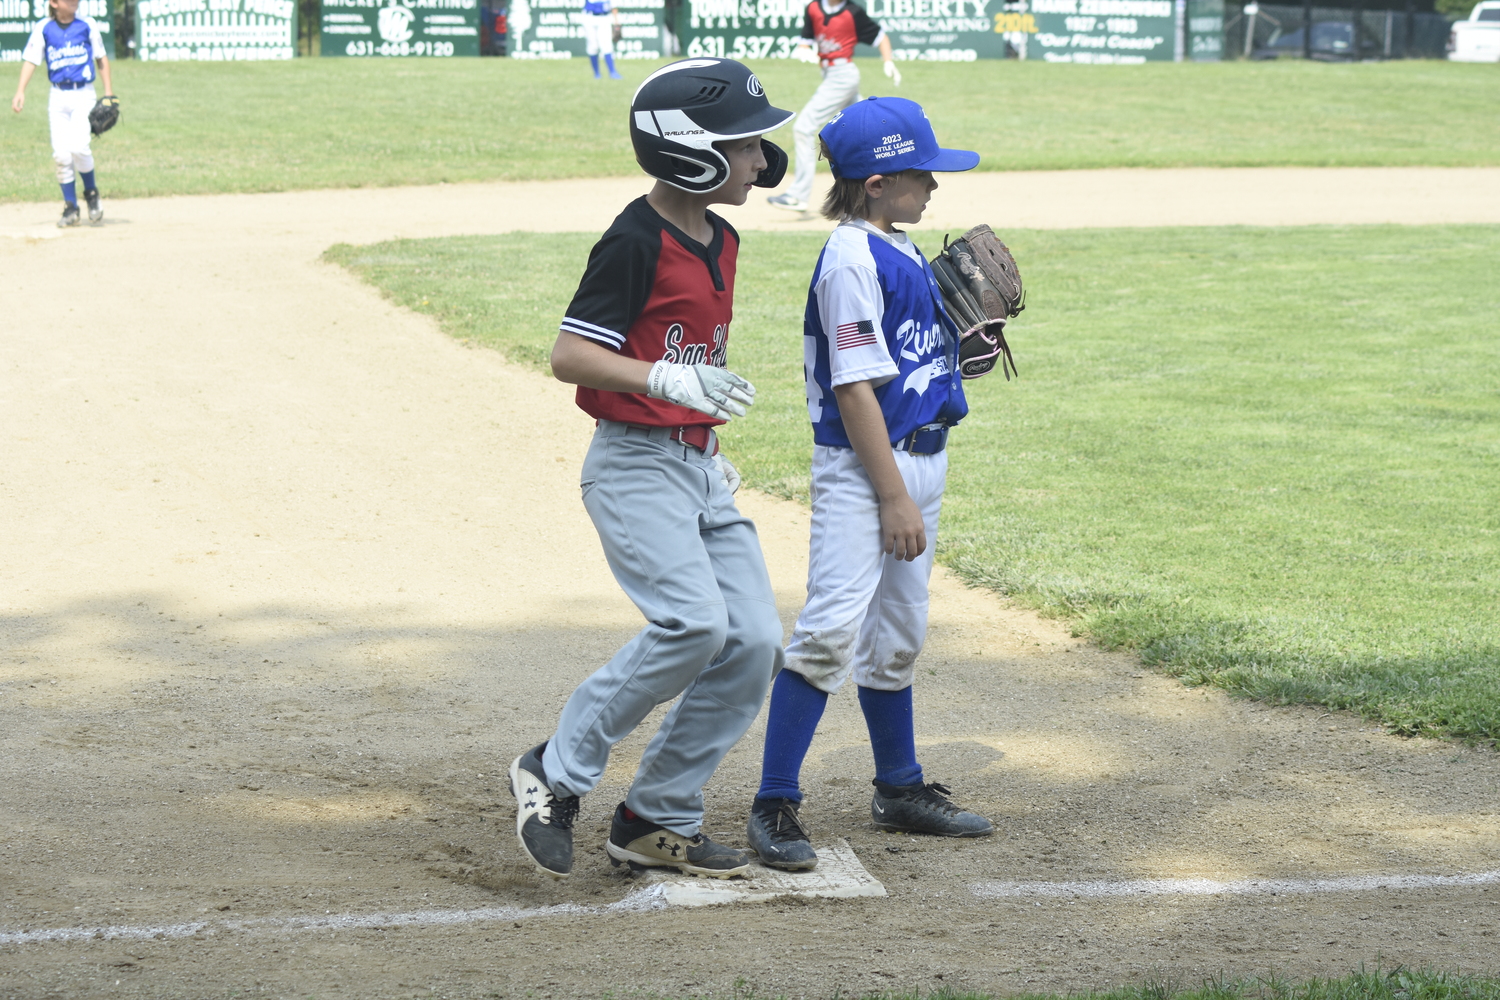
(1272, 31)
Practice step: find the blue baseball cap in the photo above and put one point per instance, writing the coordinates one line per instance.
(883, 135)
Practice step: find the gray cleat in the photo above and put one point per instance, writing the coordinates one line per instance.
(924, 808)
(70, 215)
(776, 834)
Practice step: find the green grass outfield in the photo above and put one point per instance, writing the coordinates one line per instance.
(1399, 983)
(1264, 458)
(197, 128)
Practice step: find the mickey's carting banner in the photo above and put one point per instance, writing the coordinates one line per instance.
(399, 28)
(215, 30)
(1085, 31)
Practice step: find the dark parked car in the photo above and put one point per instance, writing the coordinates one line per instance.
(1332, 41)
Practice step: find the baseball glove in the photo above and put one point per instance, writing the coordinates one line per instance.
(981, 290)
(105, 115)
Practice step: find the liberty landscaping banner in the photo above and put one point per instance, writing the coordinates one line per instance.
(400, 28)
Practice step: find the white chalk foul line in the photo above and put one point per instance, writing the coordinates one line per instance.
(649, 898)
(1239, 887)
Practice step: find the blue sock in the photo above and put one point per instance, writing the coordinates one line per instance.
(888, 716)
(791, 721)
(594, 61)
(88, 180)
(609, 60)
(70, 193)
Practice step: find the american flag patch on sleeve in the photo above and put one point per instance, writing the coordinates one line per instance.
(860, 334)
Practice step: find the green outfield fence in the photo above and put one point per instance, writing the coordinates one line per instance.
(1200, 29)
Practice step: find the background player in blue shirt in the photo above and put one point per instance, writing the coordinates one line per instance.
(599, 19)
(883, 388)
(69, 46)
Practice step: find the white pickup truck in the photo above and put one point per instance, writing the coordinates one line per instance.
(1478, 38)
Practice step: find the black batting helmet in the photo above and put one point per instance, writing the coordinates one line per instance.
(681, 110)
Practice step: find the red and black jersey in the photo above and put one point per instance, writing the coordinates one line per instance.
(652, 292)
(834, 30)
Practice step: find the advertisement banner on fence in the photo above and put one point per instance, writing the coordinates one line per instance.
(441, 28)
(925, 30)
(1103, 31)
(553, 29)
(18, 17)
(1205, 30)
(215, 30)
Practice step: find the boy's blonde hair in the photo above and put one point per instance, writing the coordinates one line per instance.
(847, 198)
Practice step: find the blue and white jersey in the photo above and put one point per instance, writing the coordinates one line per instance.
(875, 312)
(68, 51)
(597, 6)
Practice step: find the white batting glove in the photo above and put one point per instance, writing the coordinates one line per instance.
(708, 389)
(892, 72)
(805, 53)
(728, 474)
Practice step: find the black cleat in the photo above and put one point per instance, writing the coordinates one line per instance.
(643, 844)
(96, 214)
(777, 835)
(544, 821)
(924, 808)
(70, 215)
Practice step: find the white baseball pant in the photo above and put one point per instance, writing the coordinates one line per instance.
(839, 89)
(866, 611)
(68, 115)
(598, 34)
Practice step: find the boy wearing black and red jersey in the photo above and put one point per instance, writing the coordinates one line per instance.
(645, 340)
(829, 33)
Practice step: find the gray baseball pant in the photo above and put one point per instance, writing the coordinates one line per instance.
(693, 566)
(839, 89)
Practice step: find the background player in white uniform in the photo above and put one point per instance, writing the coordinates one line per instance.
(599, 19)
(829, 33)
(69, 46)
(883, 387)
(645, 339)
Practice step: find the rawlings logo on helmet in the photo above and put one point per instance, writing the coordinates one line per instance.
(753, 85)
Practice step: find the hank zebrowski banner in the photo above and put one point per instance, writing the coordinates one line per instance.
(1103, 31)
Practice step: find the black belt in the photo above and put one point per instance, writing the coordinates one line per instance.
(927, 440)
(73, 84)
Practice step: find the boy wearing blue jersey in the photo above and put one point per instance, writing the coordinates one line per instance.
(599, 21)
(883, 388)
(69, 46)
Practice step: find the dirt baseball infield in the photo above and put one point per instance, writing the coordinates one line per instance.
(289, 576)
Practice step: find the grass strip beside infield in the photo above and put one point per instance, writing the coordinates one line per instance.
(1399, 983)
(205, 128)
(1263, 458)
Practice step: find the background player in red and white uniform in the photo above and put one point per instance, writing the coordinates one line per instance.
(646, 341)
(829, 33)
(69, 46)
